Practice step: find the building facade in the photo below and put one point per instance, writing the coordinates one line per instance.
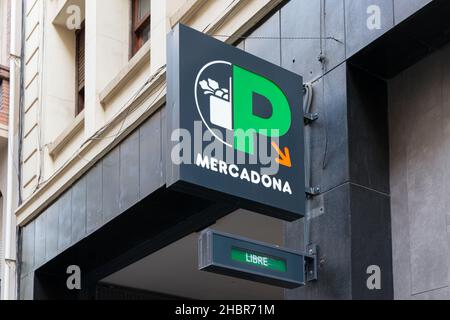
(93, 140)
(5, 7)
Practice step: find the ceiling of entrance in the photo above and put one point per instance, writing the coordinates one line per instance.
(173, 270)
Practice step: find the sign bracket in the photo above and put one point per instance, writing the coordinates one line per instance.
(310, 118)
(313, 191)
(311, 263)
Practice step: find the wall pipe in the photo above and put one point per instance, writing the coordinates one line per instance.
(9, 271)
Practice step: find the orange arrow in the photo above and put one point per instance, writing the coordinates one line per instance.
(285, 157)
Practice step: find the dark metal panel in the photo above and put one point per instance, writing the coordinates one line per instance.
(94, 198)
(425, 144)
(328, 135)
(51, 234)
(358, 34)
(130, 237)
(111, 184)
(28, 248)
(405, 8)
(330, 230)
(300, 33)
(334, 33)
(79, 210)
(400, 218)
(407, 43)
(303, 24)
(371, 242)
(333, 223)
(164, 140)
(150, 161)
(264, 41)
(65, 221)
(129, 171)
(39, 242)
(368, 130)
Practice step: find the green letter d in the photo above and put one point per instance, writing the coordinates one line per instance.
(246, 124)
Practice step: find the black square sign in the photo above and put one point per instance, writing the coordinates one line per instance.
(235, 126)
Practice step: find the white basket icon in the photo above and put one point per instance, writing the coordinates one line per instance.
(221, 113)
(220, 105)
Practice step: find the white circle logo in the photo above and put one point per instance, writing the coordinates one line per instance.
(213, 91)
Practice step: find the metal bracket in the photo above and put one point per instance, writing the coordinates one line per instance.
(313, 191)
(310, 118)
(311, 263)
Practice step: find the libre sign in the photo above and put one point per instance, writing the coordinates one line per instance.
(243, 118)
(251, 260)
(258, 259)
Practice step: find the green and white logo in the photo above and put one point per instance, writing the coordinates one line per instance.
(235, 126)
(225, 96)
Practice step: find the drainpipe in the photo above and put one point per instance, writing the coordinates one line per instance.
(9, 271)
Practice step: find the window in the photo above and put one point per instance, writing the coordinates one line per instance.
(80, 70)
(1, 94)
(140, 23)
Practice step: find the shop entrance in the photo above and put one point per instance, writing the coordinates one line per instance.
(150, 252)
(173, 271)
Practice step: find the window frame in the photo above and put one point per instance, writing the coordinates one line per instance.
(79, 89)
(137, 26)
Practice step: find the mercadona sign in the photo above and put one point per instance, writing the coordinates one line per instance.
(235, 126)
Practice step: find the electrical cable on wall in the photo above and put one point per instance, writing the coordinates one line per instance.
(21, 104)
(120, 131)
(96, 136)
(308, 99)
(307, 102)
(322, 60)
(278, 38)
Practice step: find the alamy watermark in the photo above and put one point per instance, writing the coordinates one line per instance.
(210, 144)
(73, 281)
(374, 19)
(374, 279)
(73, 21)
